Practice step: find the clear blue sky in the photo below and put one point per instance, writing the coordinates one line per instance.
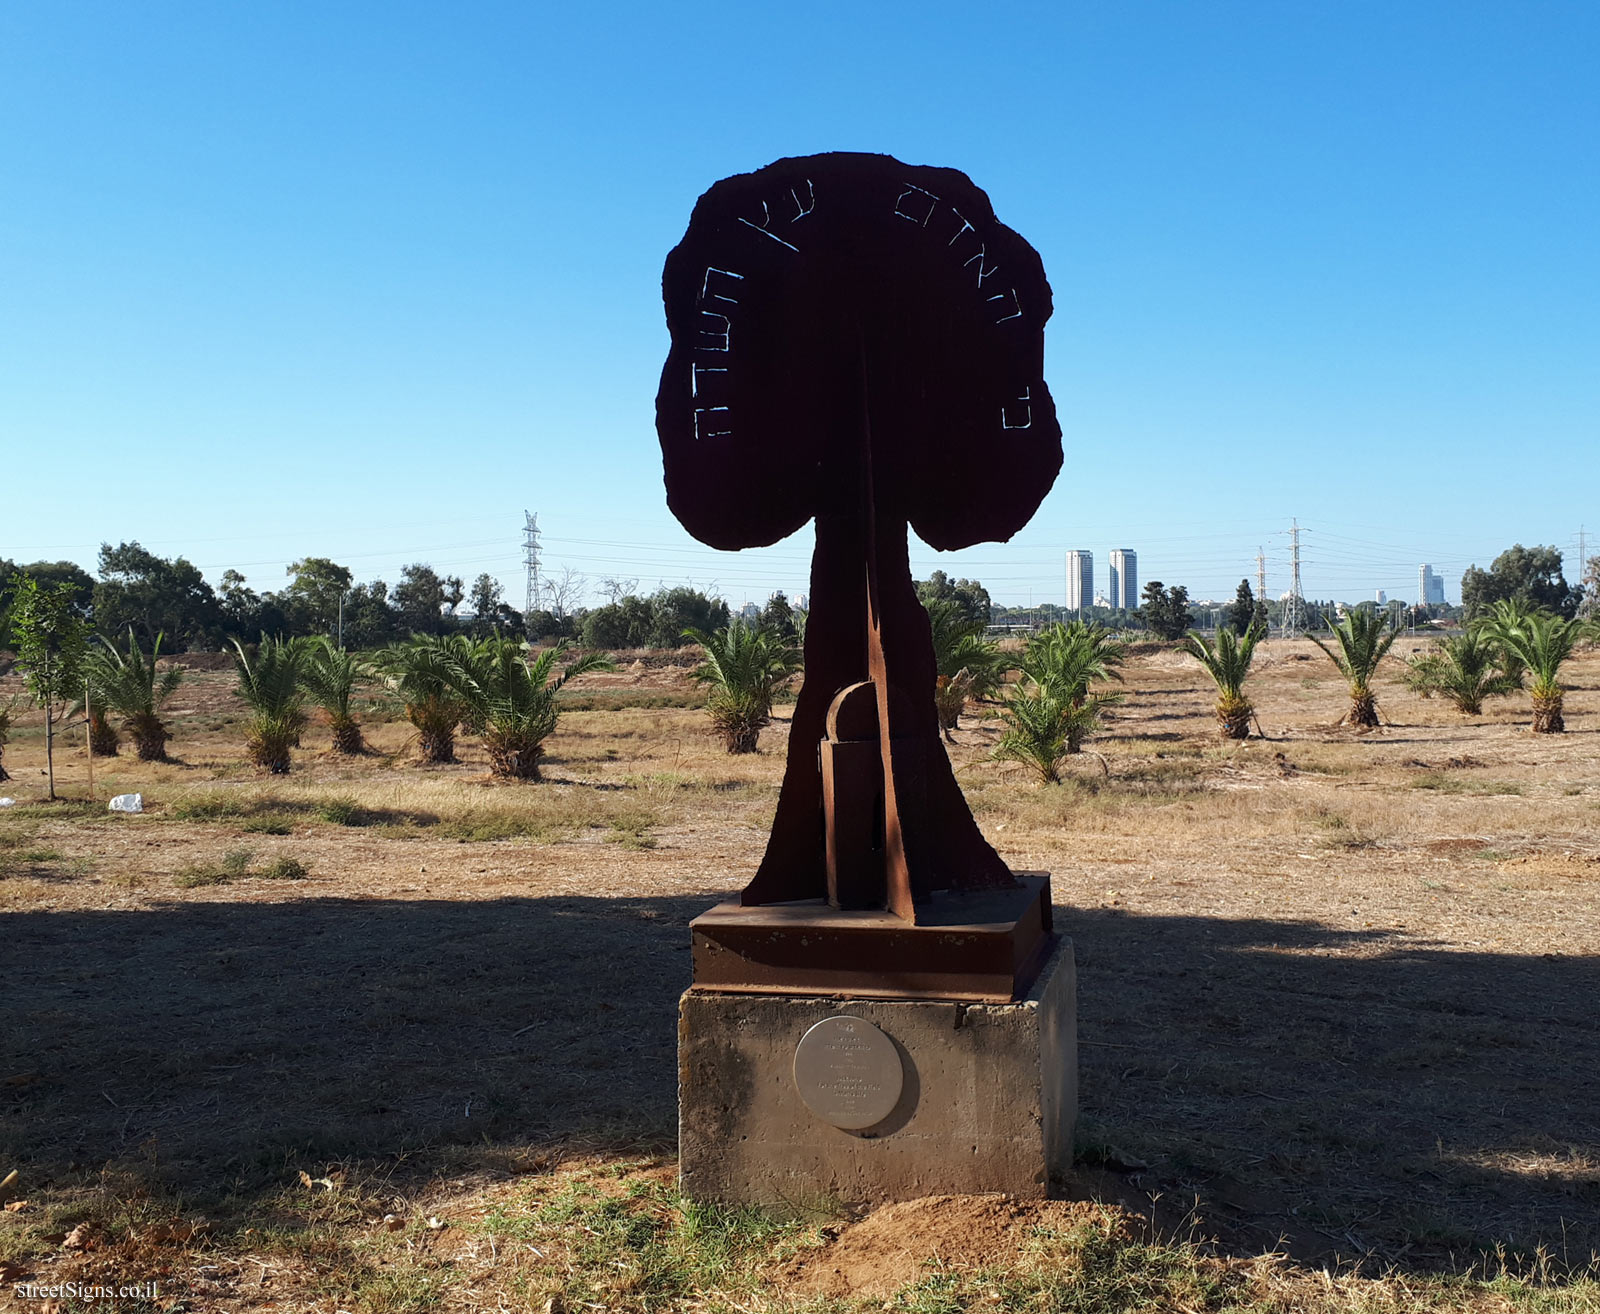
(366, 280)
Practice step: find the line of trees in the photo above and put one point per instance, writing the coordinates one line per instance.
(137, 590)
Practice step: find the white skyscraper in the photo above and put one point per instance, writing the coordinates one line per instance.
(1124, 579)
(1080, 579)
(1430, 587)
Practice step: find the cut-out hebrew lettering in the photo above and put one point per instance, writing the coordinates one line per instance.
(696, 370)
(706, 418)
(1009, 306)
(984, 271)
(708, 293)
(803, 208)
(923, 203)
(1026, 422)
(720, 339)
(765, 227)
(962, 230)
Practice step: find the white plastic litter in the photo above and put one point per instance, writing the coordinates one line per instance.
(128, 803)
(8, 802)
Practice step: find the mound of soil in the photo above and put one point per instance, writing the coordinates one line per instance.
(890, 1246)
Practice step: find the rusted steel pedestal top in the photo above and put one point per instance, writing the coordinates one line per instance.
(985, 946)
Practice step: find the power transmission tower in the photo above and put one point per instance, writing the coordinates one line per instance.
(530, 559)
(1586, 603)
(1261, 580)
(1294, 609)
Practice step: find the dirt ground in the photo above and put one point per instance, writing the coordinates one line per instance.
(1337, 992)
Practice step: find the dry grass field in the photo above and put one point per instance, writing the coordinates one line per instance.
(372, 1037)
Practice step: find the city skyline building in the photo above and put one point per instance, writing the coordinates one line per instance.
(1080, 579)
(1430, 587)
(1124, 579)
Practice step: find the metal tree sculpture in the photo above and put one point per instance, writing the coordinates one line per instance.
(859, 341)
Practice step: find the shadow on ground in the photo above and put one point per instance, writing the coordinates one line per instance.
(1348, 1093)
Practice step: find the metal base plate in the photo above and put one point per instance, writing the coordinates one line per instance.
(983, 946)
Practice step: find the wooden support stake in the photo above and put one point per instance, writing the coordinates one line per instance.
(88, 734)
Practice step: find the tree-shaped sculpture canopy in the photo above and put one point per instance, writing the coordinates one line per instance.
(826, 286)
(861, 342)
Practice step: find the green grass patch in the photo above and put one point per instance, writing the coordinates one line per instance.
(1446, 782)
(270, 814)
(14, 837)
(231, 866)
(227, 805)
(643, 1247)
(236, 864)
(631, 828)
(61, 809)
(485, 825)
(269, 823)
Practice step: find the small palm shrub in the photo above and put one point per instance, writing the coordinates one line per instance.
(1054, 706)
(127, 684)
(329, 678)
(966, 664)
(104, 741)
(512, 699)
(1498, 619)
(418, 672)
(743, 670)
(1074, 655)
(1466, 669)
(269, 683)
(1227, 663)
(1540, 643)
(1042, 730)
(1363, 639)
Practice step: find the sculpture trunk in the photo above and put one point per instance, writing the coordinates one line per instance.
(931, 840)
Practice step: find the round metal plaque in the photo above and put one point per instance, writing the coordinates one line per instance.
(849, 1073)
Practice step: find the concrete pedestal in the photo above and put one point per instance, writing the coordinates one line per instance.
(988, 1103)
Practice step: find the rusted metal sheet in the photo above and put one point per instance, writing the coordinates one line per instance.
(852, 338)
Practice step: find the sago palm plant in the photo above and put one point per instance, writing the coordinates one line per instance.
(743, 670)
(1072, 656)
(1495, 621)
(511, 699)
(1541, 643)
(104, 741)
(128, 685)
(1054, 706)
(330, 677)
(1363, 639)
(269, 683)
(1069, 660)
(1227, 663)
(1040, 728)
(1466, 669)
(966, 665)
(419, 673)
